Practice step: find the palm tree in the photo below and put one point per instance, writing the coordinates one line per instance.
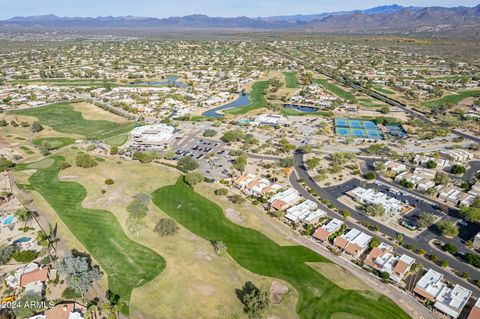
(24, 215)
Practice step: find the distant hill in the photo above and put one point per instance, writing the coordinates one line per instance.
(389, 19)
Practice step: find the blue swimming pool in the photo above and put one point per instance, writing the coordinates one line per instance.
(9, 220)
(22, 240)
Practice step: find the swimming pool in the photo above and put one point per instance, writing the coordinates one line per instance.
(9, 220)
(22, 240)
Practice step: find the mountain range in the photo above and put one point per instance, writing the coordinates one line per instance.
(389, 19)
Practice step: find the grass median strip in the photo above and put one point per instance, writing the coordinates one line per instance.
(318, 296)
(127, 264)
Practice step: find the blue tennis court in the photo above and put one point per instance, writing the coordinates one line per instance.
(341, 123)
(343, 131)
(357, 128)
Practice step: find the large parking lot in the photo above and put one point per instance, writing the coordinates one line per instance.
(210, 154)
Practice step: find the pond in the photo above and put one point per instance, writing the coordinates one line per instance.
(242, 100)
(305, 109)
(169, 81)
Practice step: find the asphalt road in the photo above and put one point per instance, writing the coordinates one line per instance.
(417, 243)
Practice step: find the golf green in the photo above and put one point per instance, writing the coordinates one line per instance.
(318, 296)
(127, 264)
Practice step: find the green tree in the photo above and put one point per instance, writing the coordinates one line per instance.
(457, 169)
(36, 127)
(447, 228)
(472, 214)
(166, 227)
(254, 300)
(425, 219)
(187, 163)
(114, 150)
(441, 178)
(85, 160)
(209, 133)
(193, 178)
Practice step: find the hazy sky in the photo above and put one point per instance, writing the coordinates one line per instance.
(226, 8)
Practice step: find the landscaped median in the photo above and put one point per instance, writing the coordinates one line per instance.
(318, 296)
(126, 263)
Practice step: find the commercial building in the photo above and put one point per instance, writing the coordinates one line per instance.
(155, 136)
(270, 119)
(355, 242)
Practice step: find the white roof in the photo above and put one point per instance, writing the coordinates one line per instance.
(357, 237)
(333, 225)
(452, 301)
(432, 283)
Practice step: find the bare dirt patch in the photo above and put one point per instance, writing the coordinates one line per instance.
(277, 290)
(92, 112)
(234, 216)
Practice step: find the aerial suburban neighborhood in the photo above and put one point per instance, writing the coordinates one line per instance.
(271, 167)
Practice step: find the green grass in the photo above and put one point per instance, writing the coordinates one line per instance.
(257, 99)
(127, 263)
(292, 112)
(318, 297)
(63, 118)
(332, 88)
(26, 150)
(55, 142)
(382, 89)
(291, 80)
(453, 99)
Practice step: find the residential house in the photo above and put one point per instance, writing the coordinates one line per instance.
(475, 312)
(451, 301)
(64, 310)
(322, 233)
(355, 242)
(285, 199)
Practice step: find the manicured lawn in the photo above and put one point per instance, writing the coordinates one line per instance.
(55, 142)
(257, 99)
(382, 89)
(127, 264)
(318, 297)
(292, 112)
(63, 118)
(332, 88)
(291, 80)
(453, 99)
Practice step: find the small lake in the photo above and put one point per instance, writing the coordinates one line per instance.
(242, 100)
(169, 81)
(305, 109)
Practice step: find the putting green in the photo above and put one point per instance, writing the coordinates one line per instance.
(318, 296)
(127, 264)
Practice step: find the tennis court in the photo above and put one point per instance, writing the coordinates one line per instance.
(357, 128)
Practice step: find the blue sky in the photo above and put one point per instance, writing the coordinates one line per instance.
(226, 8)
